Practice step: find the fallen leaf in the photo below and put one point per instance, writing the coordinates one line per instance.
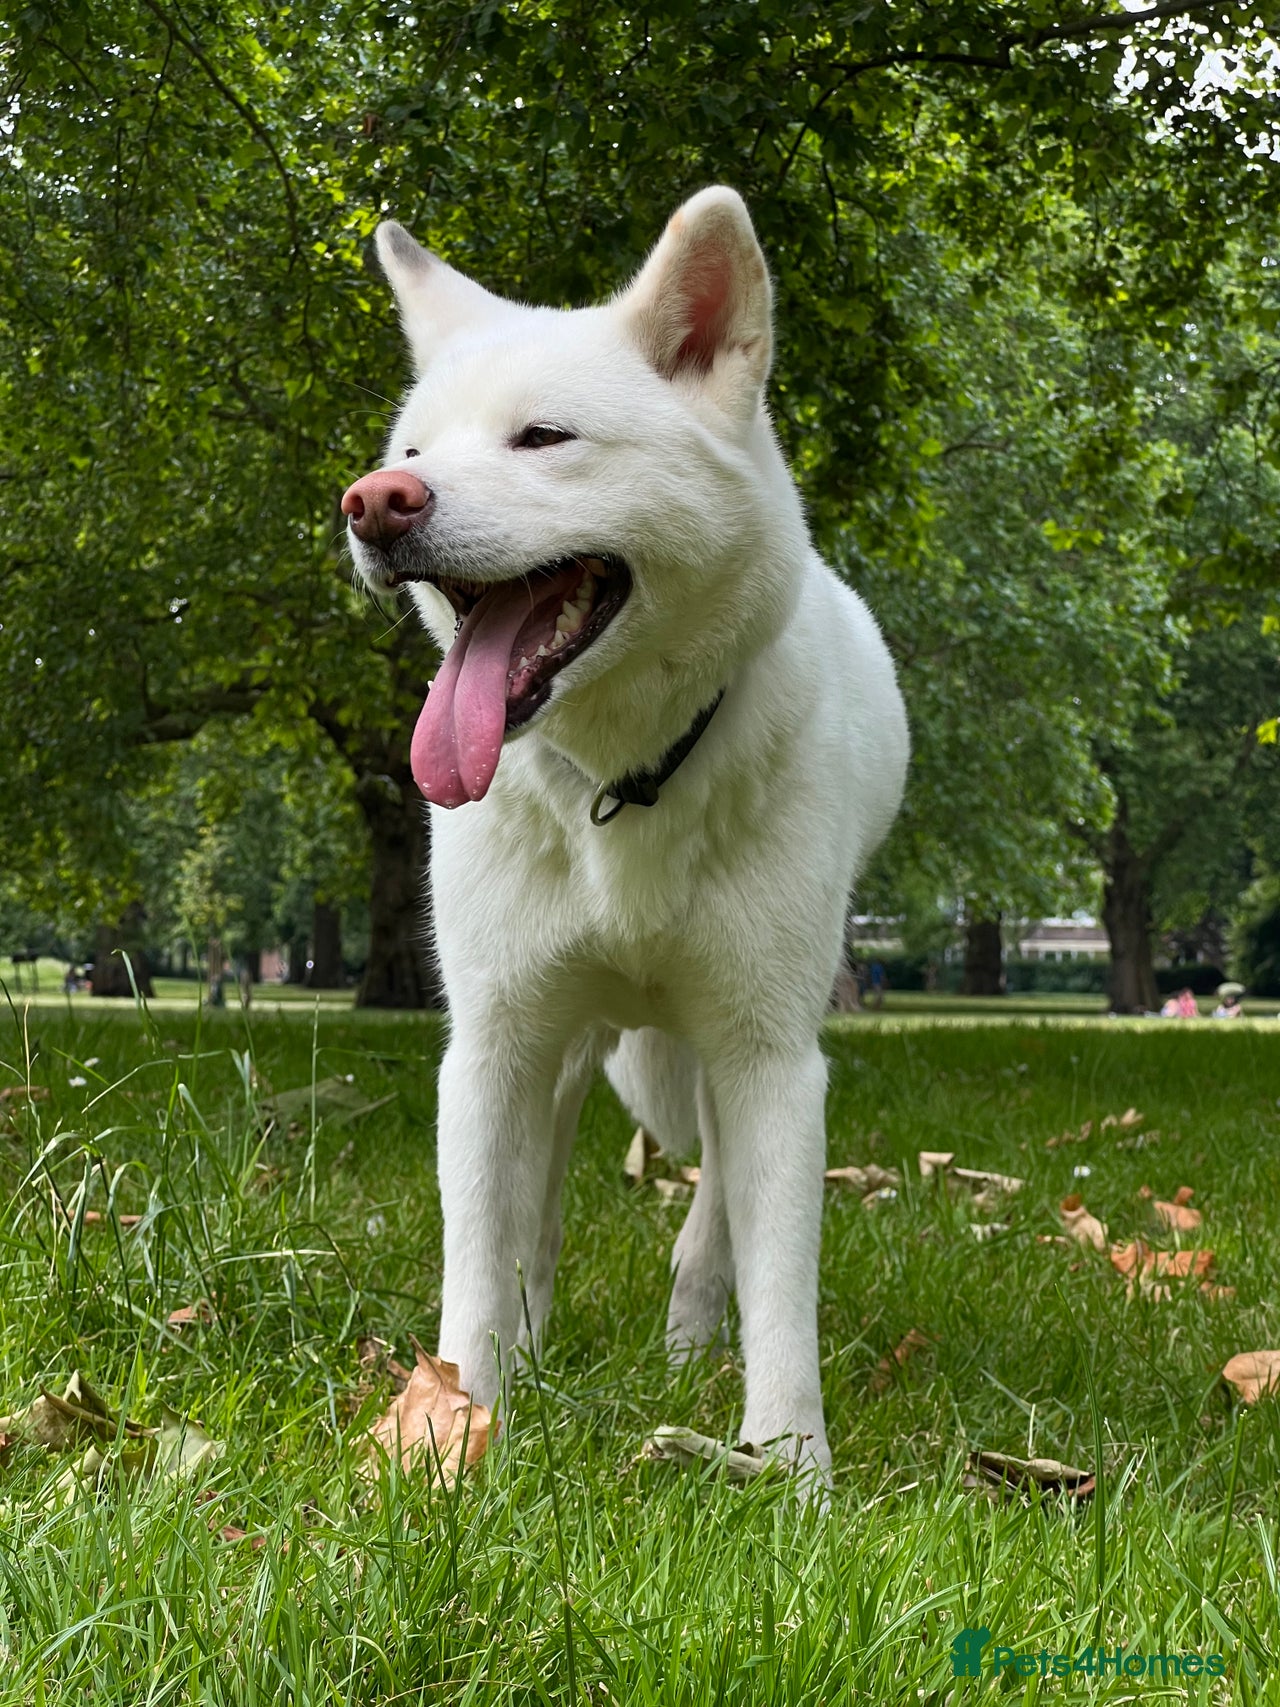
(375, 1357)
(740, 1463)
(335, 1101)
(934, 1161)
(690, 1176)
(79, 1417)
(998, 1471)
(229, 1532)
(942, 1162)
(882, 1194)
(1254, 1374)
(182, 1446)
(863, 1180)
(1177, 1214)
(981, 1179)
(14, 1095)
(1070, 1137)
(1145, 1269)
(1082, 1226)
(433, 1419)
(643, 1149)
(201, 1311)
(1145, 1193)
(882, 1376)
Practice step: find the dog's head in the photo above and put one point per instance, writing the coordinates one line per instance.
(589, 505)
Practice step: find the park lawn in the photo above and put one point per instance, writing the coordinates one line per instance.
(567, 1568)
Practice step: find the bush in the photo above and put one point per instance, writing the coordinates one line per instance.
(1194, 975)
(1063, 977)
(1255, 938)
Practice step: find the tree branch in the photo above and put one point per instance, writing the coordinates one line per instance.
(246, 112)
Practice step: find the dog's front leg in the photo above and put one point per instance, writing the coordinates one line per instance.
(495, 1150)
(772, 1151)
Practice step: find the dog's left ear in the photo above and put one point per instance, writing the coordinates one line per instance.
(701, 306)
(434, 299)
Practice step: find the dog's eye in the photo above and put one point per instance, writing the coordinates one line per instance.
(535, 438)
(413, 453)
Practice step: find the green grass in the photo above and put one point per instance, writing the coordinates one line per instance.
(657, 1585)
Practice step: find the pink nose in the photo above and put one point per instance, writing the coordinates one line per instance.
(385, 504)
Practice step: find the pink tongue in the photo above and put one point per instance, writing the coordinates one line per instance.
(458, 738)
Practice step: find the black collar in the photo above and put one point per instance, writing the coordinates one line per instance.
(640, 788)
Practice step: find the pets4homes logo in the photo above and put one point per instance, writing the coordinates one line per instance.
(974, 1655)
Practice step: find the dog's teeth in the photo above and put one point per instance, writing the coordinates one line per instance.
(542, 652)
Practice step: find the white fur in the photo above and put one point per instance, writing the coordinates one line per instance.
(691, 945)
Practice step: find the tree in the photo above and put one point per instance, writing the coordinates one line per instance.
(186, 321)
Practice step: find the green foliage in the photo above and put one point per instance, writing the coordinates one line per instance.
(1255, 938)
(1006, 244)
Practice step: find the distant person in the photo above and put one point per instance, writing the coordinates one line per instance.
(71, 983)
(1170, 1009)
(879, 983)
(1230, 1007)
(1187, 1006)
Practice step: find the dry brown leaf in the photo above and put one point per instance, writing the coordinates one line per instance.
(882, 1375)
(1177, 1214)
(1215, 1292)
(1148, 1270)
(862, 1180)
(1254, 1374)
(435, 1421)
(1003, 1474)
(375, 1357)
(642, 1150)
(78, 1418)
(690, 1176)
(934, 1162)
(201, 1311)
(15, 1095)
(1145, 1193)
(685, 1446)
(1069, 1137)
(229, 1532)
(1086, 1229)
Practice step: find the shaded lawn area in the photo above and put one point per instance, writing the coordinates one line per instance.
(654, 1585)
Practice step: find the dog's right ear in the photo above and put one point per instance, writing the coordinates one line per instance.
(434, 300)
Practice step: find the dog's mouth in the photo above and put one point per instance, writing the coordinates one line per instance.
(512, 639)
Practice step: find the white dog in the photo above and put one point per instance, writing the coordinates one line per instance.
(599, 530)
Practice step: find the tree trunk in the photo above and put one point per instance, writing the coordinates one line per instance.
(297, 960)
(983, 958)
(400, 972)
(1126, 912)
(253, 964)
(111, 944)
(326, 948)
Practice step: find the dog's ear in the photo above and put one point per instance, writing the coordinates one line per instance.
(434, 300)
(701, 306)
